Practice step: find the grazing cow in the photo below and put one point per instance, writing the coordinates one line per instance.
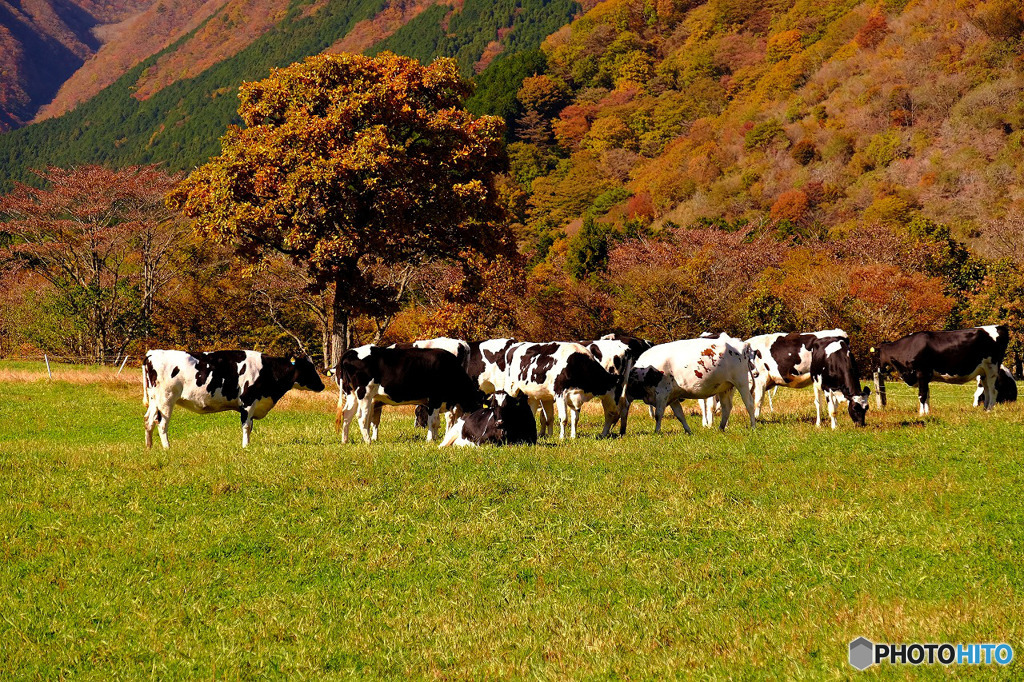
(560, 376)
(667, 374)
(400, 376)
(952, 357)
(785, 360)
(617, 354)
(1006, 387)
(836, 379)
(509, 421)
(241, 380)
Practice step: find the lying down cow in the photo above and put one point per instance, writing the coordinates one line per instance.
(509, 421)
(228, 380)
(368, 375)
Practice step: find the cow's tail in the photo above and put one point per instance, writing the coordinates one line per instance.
(879, 380)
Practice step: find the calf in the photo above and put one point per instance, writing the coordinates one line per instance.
(509, 421)
(240, 380)
(560, 376)
(836, 379)
(400, 376)
(667, 374)
(1006, 387)
(785, 360)
(952, 357)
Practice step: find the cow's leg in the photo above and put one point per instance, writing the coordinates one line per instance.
(923, 393)
(378, 410)
(991, 373)
(246, 426)
(433, 421)
(771, 395)
(748, 402)
(623, 415)
(348, 407)
(817, 403)
(677, 410)
(561, 404)
(980, 393)
(549, 416)
(832, 400)
(726, 400)
(537, 407)
(707, 411)
(659, 413)
(760, 391)
(164, 417)
(365, 417)
(612, 412)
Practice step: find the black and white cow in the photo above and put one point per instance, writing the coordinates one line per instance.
(836, 380)
(669, 373)
(457, 347)
(400, 376)
(509, 421)
(952, 357)
(244, 381)
(1006, 387)
(560, 376)
(486, 363)
(785, 360)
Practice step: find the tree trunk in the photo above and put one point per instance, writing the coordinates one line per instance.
(340, 334)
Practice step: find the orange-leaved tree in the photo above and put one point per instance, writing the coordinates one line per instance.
(350, 165)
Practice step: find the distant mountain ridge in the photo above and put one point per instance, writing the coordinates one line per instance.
(42, 44)
(171, 105)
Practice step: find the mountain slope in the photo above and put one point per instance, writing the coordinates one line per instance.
(42, 43)
(145, 116)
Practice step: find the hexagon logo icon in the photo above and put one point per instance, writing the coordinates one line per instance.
(861, 653)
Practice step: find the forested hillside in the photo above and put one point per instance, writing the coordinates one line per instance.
(675, 166)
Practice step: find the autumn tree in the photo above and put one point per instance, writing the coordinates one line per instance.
(354, 166)
(101, 238)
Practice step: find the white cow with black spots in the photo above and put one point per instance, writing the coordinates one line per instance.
(560, 376)
(669, 373)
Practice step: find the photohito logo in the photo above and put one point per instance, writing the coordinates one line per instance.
(864, 653)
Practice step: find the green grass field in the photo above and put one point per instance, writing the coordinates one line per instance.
(745, 555)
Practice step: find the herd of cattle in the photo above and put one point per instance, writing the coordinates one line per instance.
(496, 391)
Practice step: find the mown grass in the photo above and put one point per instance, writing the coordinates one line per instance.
(741, 554)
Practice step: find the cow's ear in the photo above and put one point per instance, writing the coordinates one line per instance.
(867, 390)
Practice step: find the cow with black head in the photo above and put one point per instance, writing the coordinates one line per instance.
(245, 381)
(508, 420)
(837, 380)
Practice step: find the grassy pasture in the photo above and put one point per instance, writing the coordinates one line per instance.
(744, 555)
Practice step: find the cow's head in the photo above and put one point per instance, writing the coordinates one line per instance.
(306, 376)
(641, 384)
(859, 406)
